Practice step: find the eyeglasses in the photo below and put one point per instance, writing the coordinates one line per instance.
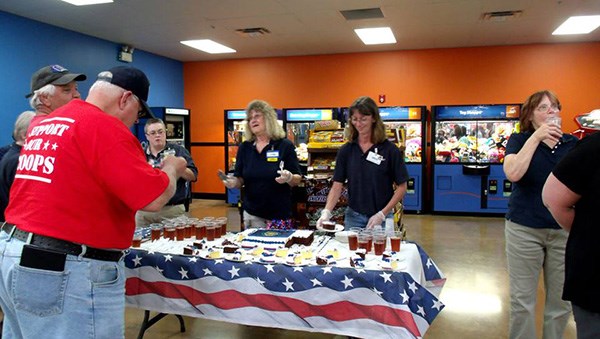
(255, 117)
(159, 132)
(545, 108)
(357, 120)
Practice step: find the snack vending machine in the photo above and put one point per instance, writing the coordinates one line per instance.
(177, 123)
(235, 125)
(470, 143)
(406, 127)
(315, 133)
(300, 123)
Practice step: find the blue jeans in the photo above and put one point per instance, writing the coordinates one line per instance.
(86, 300)
(355, 219)
(588, 323)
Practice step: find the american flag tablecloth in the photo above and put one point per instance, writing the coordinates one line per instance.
(345, 301)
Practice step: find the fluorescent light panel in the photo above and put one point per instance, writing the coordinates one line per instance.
(376, 36)
(208, 46)
(87, 2)
(578, 25)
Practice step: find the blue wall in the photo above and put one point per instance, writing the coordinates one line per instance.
(27, 45)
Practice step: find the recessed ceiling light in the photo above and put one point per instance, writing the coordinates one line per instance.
(208, 46)
(87, 2)
(578, 25)
(376, 36)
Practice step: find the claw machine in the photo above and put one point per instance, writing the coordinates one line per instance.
(406, 126)
(317, 134)
(235, 127)
(468, 153)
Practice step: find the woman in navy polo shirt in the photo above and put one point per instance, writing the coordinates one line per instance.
(534, 241)
(267, 167)
(373, 167)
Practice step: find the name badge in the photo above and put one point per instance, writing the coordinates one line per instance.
(374, 158)
(272, 156)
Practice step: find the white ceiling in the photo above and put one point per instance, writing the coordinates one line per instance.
(306, 27)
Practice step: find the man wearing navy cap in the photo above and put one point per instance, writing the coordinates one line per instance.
(81, 177)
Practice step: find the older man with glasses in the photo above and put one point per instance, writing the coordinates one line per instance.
(156, 150)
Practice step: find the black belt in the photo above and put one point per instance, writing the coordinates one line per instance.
(62, 246)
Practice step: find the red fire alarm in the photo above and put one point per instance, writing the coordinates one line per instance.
(381, 98)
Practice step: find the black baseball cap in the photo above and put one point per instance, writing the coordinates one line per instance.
(130, 79)
(53, 74)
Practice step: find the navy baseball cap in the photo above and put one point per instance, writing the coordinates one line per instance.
(55, 75)
(130, 79)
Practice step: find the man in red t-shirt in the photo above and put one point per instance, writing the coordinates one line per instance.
(81, 177)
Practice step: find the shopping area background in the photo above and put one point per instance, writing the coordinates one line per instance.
(456, 76)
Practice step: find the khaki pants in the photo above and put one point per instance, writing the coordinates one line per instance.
(143, 219)
(530, 251)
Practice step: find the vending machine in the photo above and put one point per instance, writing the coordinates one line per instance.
(468, 153)
(235, 124)
(234, 135)
(300, 123)
(177, 123)
(317, 134)
(406, 126)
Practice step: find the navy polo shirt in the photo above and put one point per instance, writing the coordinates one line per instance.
(369, 185)
(263, 196)
(525, 206)
(181, 192)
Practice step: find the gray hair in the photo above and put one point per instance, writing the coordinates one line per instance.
(35, 100)
(22, 125)
(107, 87)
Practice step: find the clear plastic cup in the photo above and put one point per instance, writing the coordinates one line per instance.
(136, 241)
(200, 230)
(353, 238)
(223, 222)
(554, 120)
(365, 240)
(395, 239)
(155, 231)
(210, 231)
(379, 239)
(169, 232)
(180, 232)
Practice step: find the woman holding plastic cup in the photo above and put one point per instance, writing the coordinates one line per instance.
(534, 241)
(373, 167)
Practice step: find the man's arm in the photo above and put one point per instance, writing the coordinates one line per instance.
(175, 168)
(191, 172)
(560, 201)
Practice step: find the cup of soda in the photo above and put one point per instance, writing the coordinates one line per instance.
(137, 240)
(395, 239)
(210, 231)
(155, 231)
(379, 239)
(353, 238)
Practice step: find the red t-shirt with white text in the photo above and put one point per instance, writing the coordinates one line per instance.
(82, 175)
